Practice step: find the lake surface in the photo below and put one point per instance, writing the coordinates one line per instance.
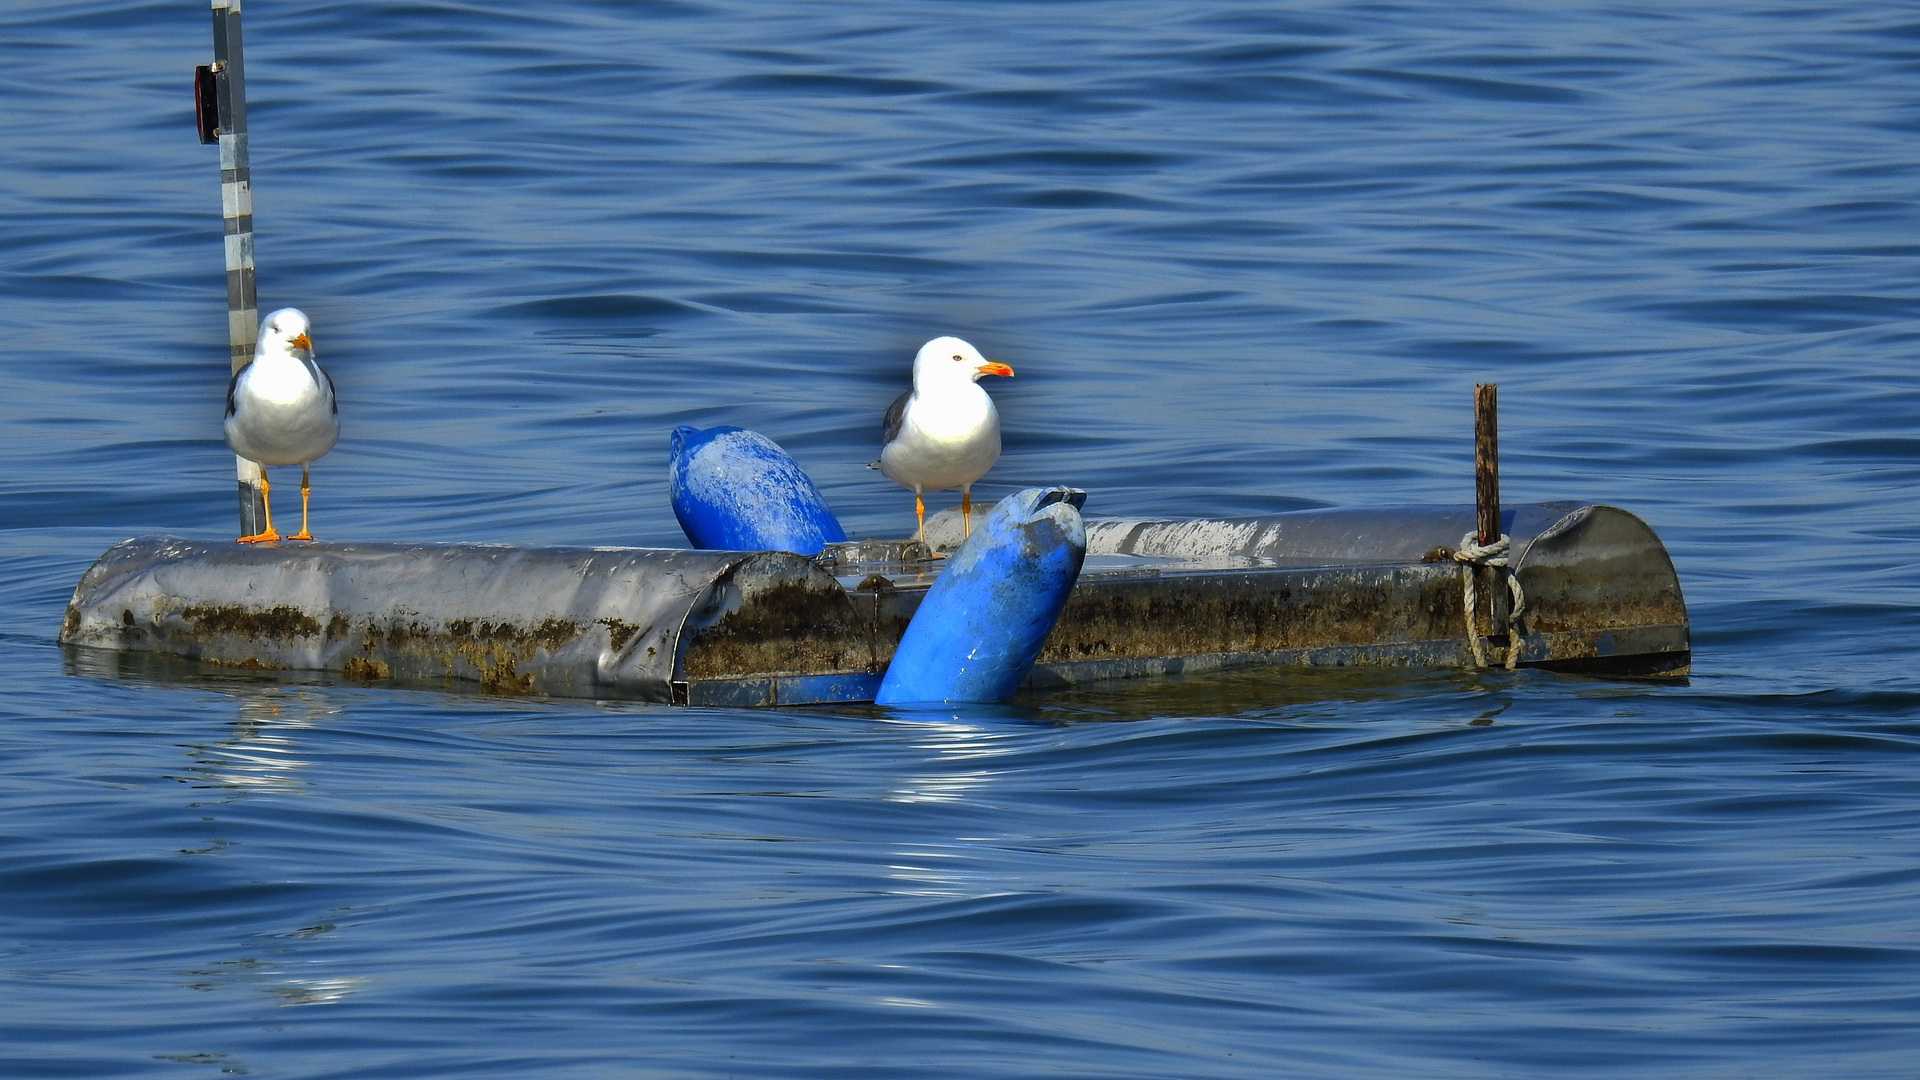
(1244, 258)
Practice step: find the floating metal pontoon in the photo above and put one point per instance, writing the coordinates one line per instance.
(1376, 587)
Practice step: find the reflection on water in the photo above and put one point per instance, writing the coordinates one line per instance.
(274, 981)
(1296, 695)
(934, 873)
(259, 755)
(1245, 260)
(262, 755)
(952, 741)
(314, 991)
(958, 747)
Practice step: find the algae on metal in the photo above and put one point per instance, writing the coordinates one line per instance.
(1374, 587)
(574, 621)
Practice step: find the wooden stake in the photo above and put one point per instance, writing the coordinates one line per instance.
(1486, 460)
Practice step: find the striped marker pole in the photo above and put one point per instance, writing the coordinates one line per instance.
(236, 207)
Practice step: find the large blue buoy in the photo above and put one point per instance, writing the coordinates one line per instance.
(982, 624)
(736, 490)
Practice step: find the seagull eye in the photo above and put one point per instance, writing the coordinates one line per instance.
(956, 356)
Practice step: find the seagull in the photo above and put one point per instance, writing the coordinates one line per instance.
(944, 433)
(280, 409)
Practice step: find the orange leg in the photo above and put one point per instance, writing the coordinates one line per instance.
(303, 534)
(966, 513)
(920, 515)
(267, 535)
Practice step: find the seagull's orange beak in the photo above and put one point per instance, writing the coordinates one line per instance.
(991, 368)
(300, 341)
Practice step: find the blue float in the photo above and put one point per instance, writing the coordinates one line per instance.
(977, 633)
(736, 490)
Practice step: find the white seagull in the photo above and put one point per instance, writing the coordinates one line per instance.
(944, 433)
(280, 409)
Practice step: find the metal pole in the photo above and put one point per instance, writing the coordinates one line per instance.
(236, 208)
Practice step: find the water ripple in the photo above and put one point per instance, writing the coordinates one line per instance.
(1245, 260)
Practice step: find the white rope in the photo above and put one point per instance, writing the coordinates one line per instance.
(1472, 553)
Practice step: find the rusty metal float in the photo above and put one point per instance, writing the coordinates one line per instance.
(1315, 588)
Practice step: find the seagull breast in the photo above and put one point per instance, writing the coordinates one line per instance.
(281, 408)
(946, 439)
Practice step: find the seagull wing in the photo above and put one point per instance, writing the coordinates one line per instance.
(896, 417)
(233, 389)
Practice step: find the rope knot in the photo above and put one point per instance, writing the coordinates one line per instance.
(1472, 553)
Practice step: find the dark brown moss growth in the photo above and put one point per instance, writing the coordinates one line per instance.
(1256, 613)
(399, 637)
(550, 633)
(619, 632)
(280, 623)
(365, 669)
(248, 663)
(502, 678)
(490, 652)
(784, 626)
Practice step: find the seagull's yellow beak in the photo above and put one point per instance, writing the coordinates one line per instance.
(300, 341)
(991, 368)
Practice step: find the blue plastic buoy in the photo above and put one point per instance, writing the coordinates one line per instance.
(736, 490)
(981, 626)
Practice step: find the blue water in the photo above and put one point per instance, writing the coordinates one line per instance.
(1243, 259)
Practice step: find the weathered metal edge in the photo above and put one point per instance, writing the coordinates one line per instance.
(844, 688)
(1546, 650)
(1656, 651)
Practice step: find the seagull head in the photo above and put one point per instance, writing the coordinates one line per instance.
(950, 360)
(284, 331)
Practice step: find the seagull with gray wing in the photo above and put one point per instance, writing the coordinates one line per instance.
(945, 432)
(281, 410)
